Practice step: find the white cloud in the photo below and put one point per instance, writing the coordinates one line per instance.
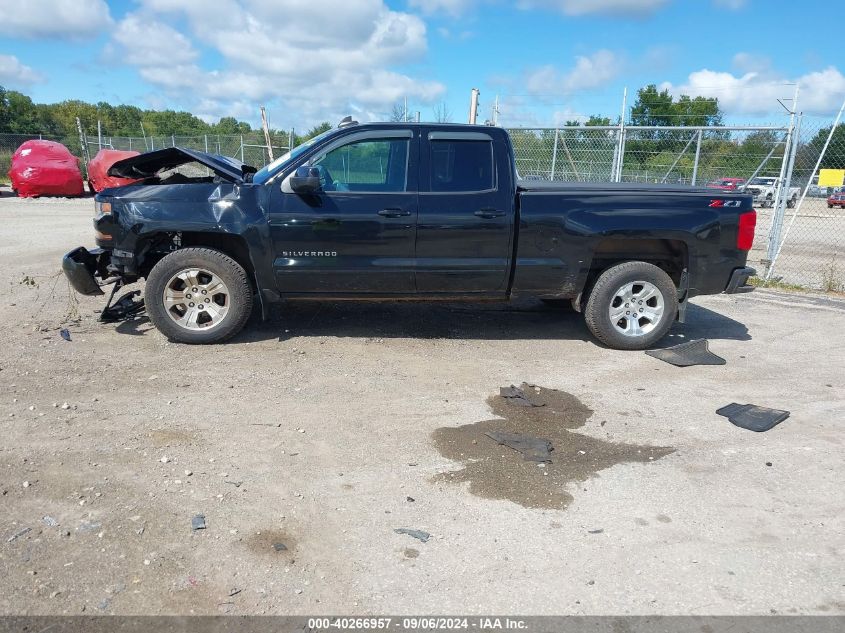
(610, 7)
(13, 72)
(276, 51)
(65, 19)
(589, 72)
(821, 92)
(149, 43)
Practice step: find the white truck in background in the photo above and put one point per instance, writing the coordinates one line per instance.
(764, 189)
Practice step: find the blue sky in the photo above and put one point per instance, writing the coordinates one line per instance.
(307, 61)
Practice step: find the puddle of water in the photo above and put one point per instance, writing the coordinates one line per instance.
(494, 471)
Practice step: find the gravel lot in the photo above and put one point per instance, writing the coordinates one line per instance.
(305, 442)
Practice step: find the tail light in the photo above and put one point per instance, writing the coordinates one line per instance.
(745, 234)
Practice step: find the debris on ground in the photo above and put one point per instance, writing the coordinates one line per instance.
(598, 531)
(696, 352)
(125, 308)
(49, 521)
(280, 547)
(18, 534)
(417, 534)
(533, 449)
(65, 334)
(752, 417)
(89, 526)
(516, 396)
(198, 523)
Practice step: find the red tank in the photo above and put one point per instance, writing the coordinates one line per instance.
(98, 178)
(45, 168)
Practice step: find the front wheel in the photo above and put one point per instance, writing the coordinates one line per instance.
(631, 306)
(198, 295)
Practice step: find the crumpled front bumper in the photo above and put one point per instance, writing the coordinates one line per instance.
(738, 282)
(80, 265)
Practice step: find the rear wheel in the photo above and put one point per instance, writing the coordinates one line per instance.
(631, 306)
(198, 295)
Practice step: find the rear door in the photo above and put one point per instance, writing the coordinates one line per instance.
(356, 236)
(465, 221)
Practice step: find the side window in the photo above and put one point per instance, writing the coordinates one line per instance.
(371, 165)
(461, 165)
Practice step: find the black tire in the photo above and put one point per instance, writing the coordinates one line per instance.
(238, 295)
(604, 294)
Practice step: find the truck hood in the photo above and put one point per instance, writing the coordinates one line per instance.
(152, 163)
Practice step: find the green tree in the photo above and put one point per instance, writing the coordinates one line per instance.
(22, 114)
(834, 157)
(325, 126)
(654, 107)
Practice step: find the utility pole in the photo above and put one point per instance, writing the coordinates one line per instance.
(99, 135)
(621, 153)
(417, 118)
(84, 143)
(266, 129)
(473, 106)
(405, 118)
(495, 117)
(782, 193)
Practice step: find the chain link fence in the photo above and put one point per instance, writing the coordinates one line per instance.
(249, 149)
(800, 238)
(245, 148)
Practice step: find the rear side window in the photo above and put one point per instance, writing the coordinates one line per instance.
(458, 165)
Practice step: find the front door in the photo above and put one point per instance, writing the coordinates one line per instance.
(357, 234)
(465, 223)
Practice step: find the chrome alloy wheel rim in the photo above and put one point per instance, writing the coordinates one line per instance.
(636, 308)
(196, 299)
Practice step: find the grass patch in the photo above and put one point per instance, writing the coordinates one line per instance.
(759, 282)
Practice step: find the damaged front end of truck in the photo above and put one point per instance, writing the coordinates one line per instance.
(138, 224)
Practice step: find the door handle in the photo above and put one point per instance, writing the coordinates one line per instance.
(489, 214)
(393, 213)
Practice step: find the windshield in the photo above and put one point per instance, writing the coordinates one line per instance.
(268, 171)
(763, 181)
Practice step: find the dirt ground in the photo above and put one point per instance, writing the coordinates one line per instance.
(308, 441)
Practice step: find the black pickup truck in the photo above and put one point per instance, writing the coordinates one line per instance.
(404, 210)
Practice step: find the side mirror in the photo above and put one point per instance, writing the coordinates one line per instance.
(305, 180)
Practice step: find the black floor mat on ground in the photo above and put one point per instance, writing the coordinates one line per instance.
(533, 449)
(752, 417)
(687, 354)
